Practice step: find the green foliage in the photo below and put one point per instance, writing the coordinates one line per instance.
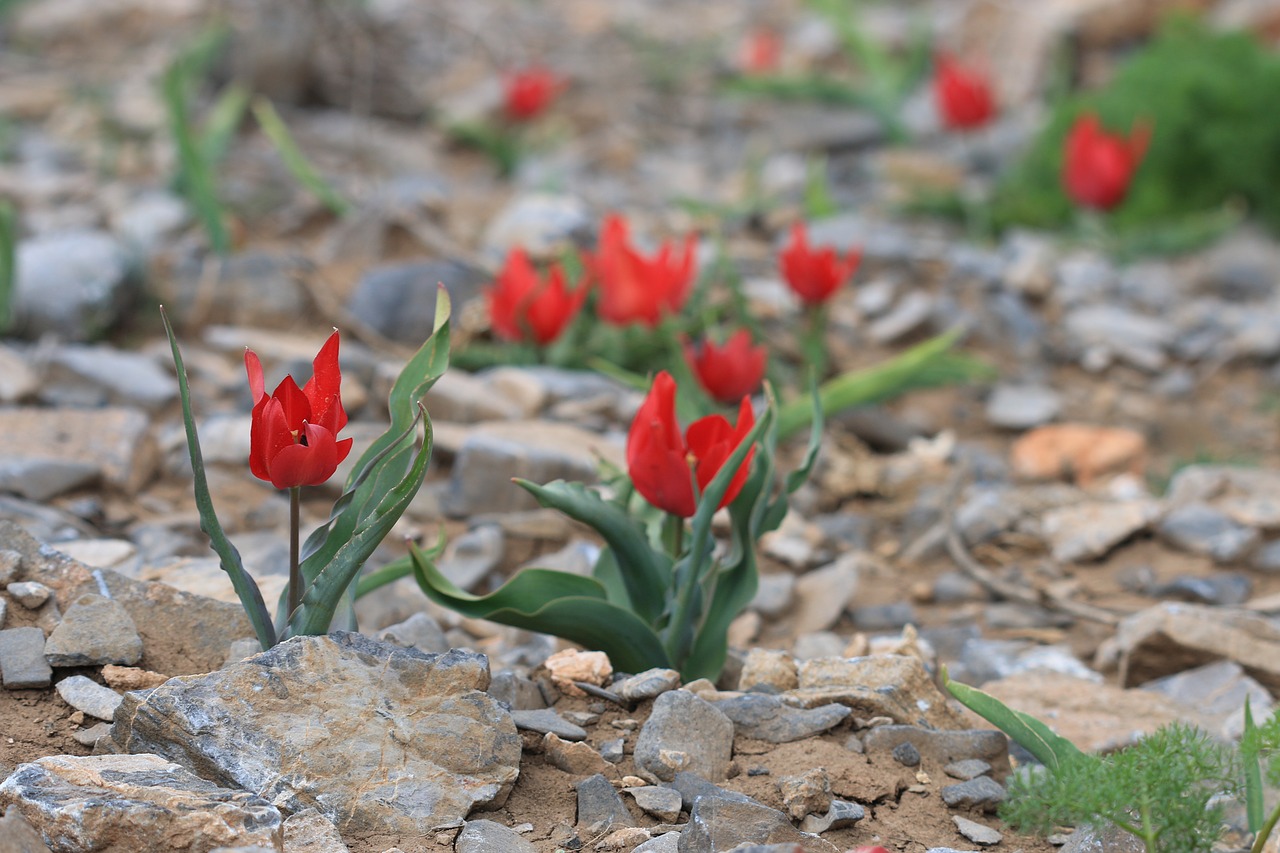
(296, 162)
(382, 483)
(647, 605)
(886, 79)
(1165, 789)
(1161, 789)
(1209, 98)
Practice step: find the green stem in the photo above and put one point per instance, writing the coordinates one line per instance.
(1264, 832)
(673, 535)
(295, 566)
(813, 345)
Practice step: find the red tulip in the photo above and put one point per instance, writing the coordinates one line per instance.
(293, 432)
(1099, 166)
(523, 306)
(528, 93)
(664, 466)
(963, 95)
(728, 372)
(636, 289)
(761, 52)
(814, 274)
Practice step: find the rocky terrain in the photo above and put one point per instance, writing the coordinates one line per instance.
(1092, 535)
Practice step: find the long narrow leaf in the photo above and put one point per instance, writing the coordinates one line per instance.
(570, 606)
(415, 379)
(681, 631)
(1250, 748)
(1051, 750)
(320, 600)
(301, 169)
(221, 123)
(197, 178)
(397, 569)
(645, 572)
(247, 591)
(880, 382)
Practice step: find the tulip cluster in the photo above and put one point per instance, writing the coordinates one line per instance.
(645, 293)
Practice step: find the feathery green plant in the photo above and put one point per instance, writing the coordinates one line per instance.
(1167, 789)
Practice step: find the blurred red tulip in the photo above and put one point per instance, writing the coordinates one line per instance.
(1098, 166)
(293, 432)
(527, 93)
(963, 95)
(636, 289)
(761, 52)
(524, 307)
(728, 372)
(663, 465)
(815, 274)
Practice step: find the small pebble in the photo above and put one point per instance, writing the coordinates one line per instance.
(85, 694)
(29, 593)
(976, 832)
(969, 768)
(906, 754)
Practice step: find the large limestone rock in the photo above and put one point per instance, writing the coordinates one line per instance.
(1171, 637)
(126, 803)
(894, 686)
(377, 738)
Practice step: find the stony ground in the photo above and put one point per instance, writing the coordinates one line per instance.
(1103, 515)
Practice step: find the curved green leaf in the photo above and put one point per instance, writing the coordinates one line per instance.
(569, 606)
(1035, 737)
(646, 573)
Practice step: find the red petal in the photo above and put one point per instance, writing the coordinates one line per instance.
(323, 390)
(656, 456)
(307, 464)
(294, 404)
(253, 367)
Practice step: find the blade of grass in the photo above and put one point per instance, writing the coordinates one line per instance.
(196, 177)
(301, 169)
(222, 121)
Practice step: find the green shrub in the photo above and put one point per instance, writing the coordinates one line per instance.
(1211, 100)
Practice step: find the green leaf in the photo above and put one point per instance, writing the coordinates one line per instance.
(682, 631)
(197, 181)
(1051, 750)
(246, 590)
(222, 122)
(1250, 747)
(320, 600)
(646, 573)
(397, 569)
(301, 169)
(913, 368)
(418, 375)
(569, 606)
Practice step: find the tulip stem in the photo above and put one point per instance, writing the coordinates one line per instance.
(295, 568)
(673, 534)
(814, 344)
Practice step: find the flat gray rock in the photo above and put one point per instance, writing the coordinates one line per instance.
(134, 802)
(543, 720)
(976, 832)
(716, 824)
(487, 836)
(93, 632)
(85, 694)
(1203, 529)
(102, 375)
(981, 793)
(662, 803)
(1021, 407)
(22, 663)
(768, 718)
(647, 684)
(428, 748)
